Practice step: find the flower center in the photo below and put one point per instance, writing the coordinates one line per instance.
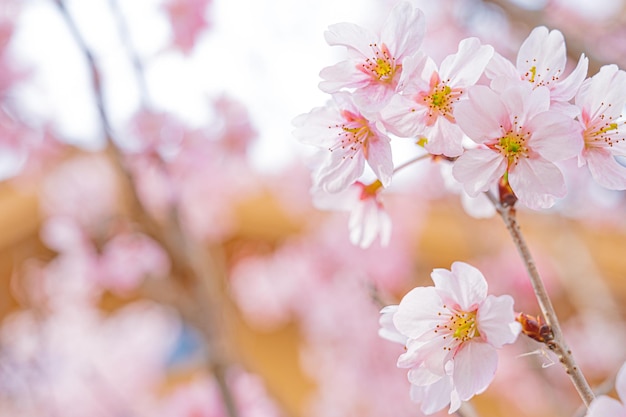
(604, 133)
(463, 326)
(459, 327)
(439, 99)
(353, 134)
(512, 146)
(382, 66)
(536, 77)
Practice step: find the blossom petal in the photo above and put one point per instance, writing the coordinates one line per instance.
(475, 366)
(566, 89)
(404, 117)
(339, 172)
(403, 30)
(379, 157)
(444, 138)
(353, 37)
(496, 321)
(536, 182)
(464, 284)
(555, 136)
(434, 397)
(344, 74)
(483, 116)
(417, 311)
(545, 51)
(478, 170)
(605, 169)
(464, 68)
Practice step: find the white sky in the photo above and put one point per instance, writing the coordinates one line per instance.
(266, 53)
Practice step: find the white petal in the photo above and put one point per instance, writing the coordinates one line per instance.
(478, 170)
(464, 68)
(536, 182)
(605, 169)
(465, 284)
(417, 312)
(496, 321)
(475, 366)
(483, 116)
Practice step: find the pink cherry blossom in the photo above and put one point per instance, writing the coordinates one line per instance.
(606, 406)
(349, 139)
(541, 61)
(376, 62)
(426, 106)
(601, 100)
(188, 20)
(522, 139)
(368, 217)
(128, 258)
(453, 331)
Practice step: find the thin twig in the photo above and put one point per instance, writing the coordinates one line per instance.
(557, 343)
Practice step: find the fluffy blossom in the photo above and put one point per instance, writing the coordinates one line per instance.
(426, 106)
(375, 63)
(349, 139)
(601, 100)
(541, 62)
(606, 406)
(452, 331)
(368, 217)
(522, 139)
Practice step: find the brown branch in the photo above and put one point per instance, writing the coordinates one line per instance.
(556, 342)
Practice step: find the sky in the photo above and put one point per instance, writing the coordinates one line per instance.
(265, 53)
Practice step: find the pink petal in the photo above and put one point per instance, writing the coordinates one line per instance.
(496, 321)
(344, 74)
(464, 284)
(339, 171)
(566, 89)
(404, 117)
(475, 365)
(379, 158)
(403, 30)
(483, 117)
(544, 50)
(605, 169)
(555, 136)
(608, 86)
(524, 102)
(417, 311)
(536, 182)
(464, 68)
(444, 138)
(434, 397)
(478, 170)
(500, 68)
(351, 36)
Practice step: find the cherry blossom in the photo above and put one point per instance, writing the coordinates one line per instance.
(541, 62)
(349, 139)
(522, 139)
(607, 406)
(368, 217)
(601, 100)
(375, 63)
(453, 330)
(188, 20)
(429, 96)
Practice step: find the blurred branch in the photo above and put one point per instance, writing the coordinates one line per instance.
(204, 293)
(131, 51)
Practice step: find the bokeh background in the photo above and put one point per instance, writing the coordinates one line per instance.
(159, 252)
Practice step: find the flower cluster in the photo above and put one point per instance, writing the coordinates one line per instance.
(503, 126)
(451, 332)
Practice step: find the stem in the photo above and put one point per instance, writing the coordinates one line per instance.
(557, 344)
(411, 162)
